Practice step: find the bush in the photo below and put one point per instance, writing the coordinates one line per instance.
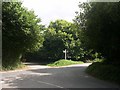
(104, 71)
(18, 65)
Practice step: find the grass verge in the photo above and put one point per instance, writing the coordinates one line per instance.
(104, 72)
(63, 62)
(14, 67)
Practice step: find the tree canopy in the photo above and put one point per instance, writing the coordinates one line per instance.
(21, 32)
(100, 27)
(60, 35)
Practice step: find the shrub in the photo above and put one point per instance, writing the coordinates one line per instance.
(104, 71)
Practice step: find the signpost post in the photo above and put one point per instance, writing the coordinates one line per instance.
(65, 54)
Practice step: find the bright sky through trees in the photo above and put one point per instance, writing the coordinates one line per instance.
(49, 10)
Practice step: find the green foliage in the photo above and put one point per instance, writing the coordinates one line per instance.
(63, 62)
(57, 38)
(18, 65)
(104, 71)
(98, 60)
(99, 23)
(60, 35)
(21, 32)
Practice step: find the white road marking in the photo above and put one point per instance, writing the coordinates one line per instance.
(2, 82)
(49, 84)
(41, 74)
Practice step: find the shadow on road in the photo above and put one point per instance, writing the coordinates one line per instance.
(64, 77)
(40, 78)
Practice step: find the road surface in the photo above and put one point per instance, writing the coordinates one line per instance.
(38, 76)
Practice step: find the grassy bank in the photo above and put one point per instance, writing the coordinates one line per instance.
(63, 62)
(14, 67)
(104, 72)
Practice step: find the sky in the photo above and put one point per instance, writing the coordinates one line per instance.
(51, 10)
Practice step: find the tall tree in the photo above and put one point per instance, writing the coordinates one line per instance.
(21, 32)
(100, 27)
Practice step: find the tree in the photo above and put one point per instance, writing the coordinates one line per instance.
(21, 32)
(61, 35)
(100, 27)
(56, 39)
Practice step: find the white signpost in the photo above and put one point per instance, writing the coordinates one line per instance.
(65, 51)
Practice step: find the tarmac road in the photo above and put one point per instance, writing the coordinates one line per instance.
(38, 76)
